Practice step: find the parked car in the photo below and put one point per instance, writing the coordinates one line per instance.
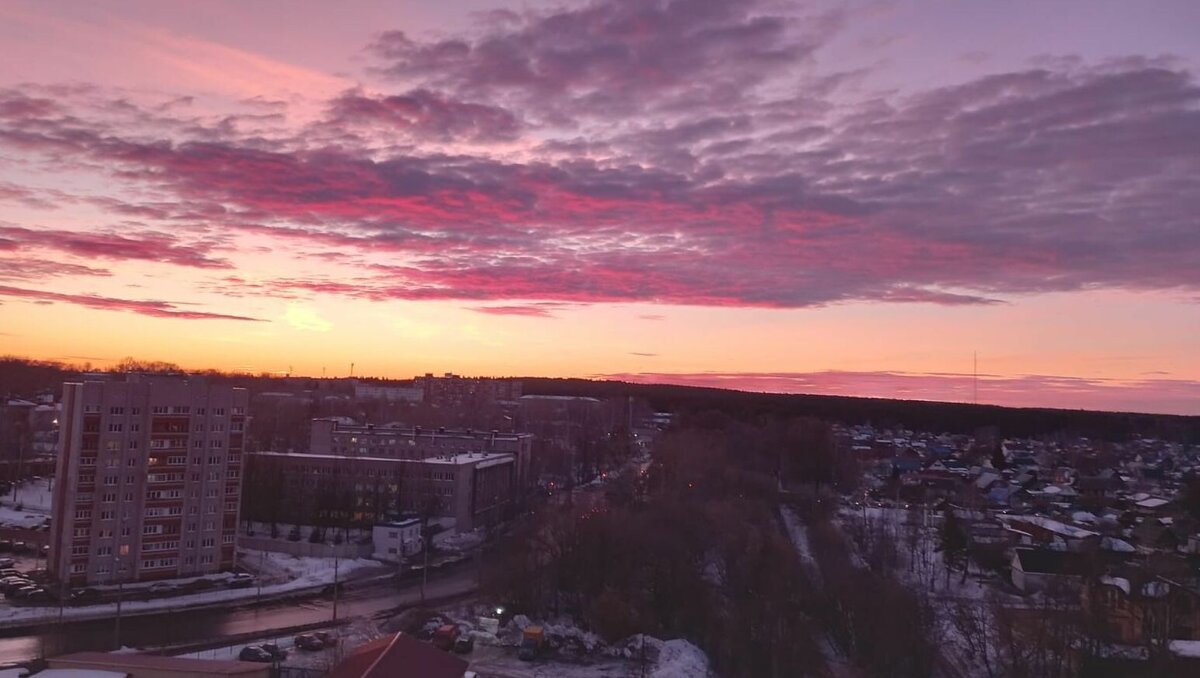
(24, 591)
(161, 587)
(7, 562)
(38, 595)
(309, 642)
(241, 581)
(255, 653)
(85, 596)
(464, 644)
(328, 638)
(6, 544)
(9, 572)
(20, 547)
(278, 653)
(12, 584)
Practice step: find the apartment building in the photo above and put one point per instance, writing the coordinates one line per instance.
(148, 479)
(333, 437)
(452, 390)
(473, 488)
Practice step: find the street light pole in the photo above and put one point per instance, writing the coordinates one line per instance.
(120, 594)
(335, 584)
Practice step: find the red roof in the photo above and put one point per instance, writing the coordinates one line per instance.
(399, 656)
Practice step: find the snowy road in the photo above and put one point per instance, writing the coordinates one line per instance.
(199, 625)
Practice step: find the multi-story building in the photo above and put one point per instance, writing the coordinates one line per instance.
(388, 392)
(333, 437)
(148, 479)
(473, 488)
(452, 390)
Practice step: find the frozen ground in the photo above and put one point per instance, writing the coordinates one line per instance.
(33, 495)
(292, 574)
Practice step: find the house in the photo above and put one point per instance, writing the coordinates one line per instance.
(1153, 534)
(1054, 534)
(1045, 570)
(1138, 607)
(1097, 490)
(395, 540)
(399, 656)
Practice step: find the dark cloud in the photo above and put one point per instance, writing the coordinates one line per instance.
(148, 246)
(425, 114)
(612, 58)
(28, 269)
(524, 310)
(153, 308)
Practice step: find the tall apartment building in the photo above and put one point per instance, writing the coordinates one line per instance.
(148, 484)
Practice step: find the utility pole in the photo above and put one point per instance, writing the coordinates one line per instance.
(335, 584)
(262, 563)
(975, 377)
(120, 592)
(425, 568)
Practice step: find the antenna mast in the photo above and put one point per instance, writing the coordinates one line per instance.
(975, 377)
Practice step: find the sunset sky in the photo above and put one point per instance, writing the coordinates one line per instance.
(851, 198)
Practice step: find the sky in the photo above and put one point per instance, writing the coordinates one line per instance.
(866, 198)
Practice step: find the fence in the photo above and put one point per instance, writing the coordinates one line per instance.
(306, 548)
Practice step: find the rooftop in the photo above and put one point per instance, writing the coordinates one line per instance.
(119, 662)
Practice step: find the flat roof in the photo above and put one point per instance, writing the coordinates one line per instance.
(465, 458)
(121, 660)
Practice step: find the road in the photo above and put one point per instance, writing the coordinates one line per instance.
(200, 625)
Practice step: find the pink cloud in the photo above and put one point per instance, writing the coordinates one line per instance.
(153, 308)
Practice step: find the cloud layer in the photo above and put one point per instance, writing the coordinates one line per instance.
(687, 152)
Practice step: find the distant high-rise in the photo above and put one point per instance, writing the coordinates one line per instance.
(149, 479)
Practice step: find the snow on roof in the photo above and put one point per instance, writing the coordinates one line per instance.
(1054, 526)
(1153, 502)
(1118, 545)
(1119, 582)
(1185, 648)
(1156, 589)
(1084, 517)
(78, 673)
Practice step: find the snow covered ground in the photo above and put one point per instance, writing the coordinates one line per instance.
(33, 495)
(33, 498)
(798, 534)
(292, 573)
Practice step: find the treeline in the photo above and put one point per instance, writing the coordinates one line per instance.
(912, 414)
(691, 549)
(20, 376)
